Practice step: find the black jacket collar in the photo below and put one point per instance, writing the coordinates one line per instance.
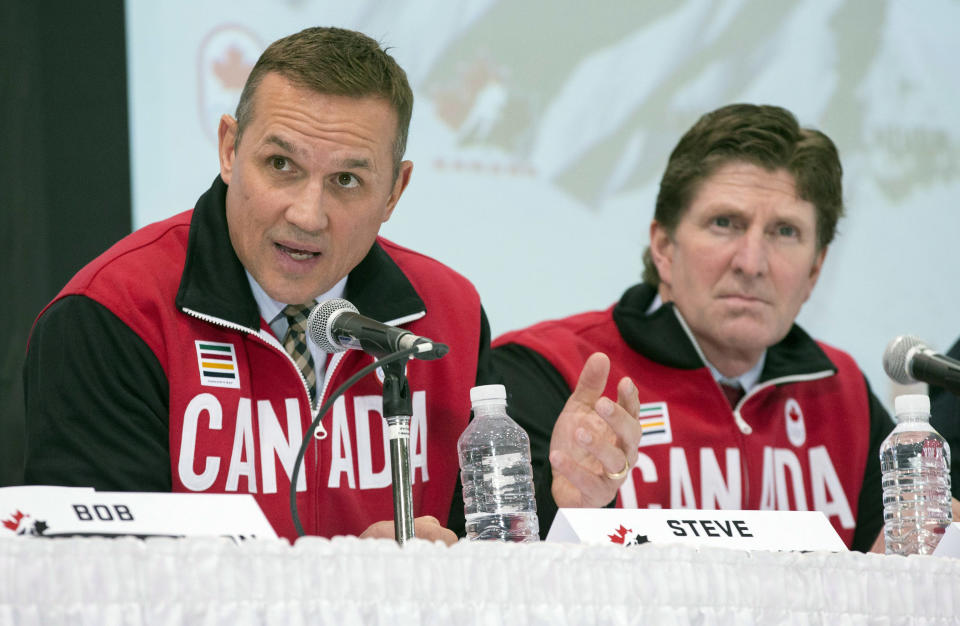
(214, 282)
(661, 337)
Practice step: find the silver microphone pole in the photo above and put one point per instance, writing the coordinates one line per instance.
(397, 409)
(398, 427)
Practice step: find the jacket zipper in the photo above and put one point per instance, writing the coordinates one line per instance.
(320, 433)
(793, 378)
(746, 429)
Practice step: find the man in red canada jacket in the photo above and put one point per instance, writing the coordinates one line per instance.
(160, 365)
(747, 207)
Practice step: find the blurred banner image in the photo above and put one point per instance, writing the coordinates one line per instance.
(540, 131)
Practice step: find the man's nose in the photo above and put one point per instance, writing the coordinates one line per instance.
(307, 210)
(750, 257)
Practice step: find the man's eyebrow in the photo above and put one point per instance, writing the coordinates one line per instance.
(277, 141)
(347, 164)
(722, 206)
(355, 164)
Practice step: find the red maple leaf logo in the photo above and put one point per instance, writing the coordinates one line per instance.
(620, 535)
(233, 70)
(794, 414)
(14, 524)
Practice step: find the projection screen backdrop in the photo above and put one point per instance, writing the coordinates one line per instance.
(541, 129)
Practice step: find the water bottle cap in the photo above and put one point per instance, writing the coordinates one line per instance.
(911, 403)
(485, 393)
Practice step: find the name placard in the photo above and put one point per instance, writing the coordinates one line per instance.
(746, 530)
(950, 542)
(69, 511)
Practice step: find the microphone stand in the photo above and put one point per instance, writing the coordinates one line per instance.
(401, 355)
(397, 409)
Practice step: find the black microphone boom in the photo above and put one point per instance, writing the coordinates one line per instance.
(335, 325)
(908, 360)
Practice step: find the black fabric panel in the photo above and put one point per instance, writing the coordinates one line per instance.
(64, 175)
(379, 289)
(945, 417)
(658, 335)
(870, 502)
(214, 280)
(536, 393)
(96, 403)
(486, 375)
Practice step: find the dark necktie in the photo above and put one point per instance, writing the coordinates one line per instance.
(733, 393)
(295, 342)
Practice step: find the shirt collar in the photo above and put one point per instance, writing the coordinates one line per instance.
(746, 380)
(272, 310)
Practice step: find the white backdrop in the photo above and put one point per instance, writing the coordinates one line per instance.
(541, 129)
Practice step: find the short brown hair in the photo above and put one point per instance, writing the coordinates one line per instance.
(338, 62)
(763, 135)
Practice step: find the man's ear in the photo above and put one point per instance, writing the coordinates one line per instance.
(226, 146)
(403, 179)
(815, 271)
(661, 251)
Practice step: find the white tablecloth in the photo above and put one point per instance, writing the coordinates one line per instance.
(349, 581)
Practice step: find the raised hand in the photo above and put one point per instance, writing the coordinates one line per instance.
(594, 442)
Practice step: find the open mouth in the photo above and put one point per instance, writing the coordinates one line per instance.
(295, 253)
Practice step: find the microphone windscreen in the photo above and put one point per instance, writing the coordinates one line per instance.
(895, 358)
(318, 323)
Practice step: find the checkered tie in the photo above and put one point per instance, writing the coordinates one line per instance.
(295, 342)
(733, 392)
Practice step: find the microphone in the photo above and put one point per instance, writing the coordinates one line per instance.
(908, 360)
(335, 325)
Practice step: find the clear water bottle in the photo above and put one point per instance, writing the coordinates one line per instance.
(495, 471)
(915, 462)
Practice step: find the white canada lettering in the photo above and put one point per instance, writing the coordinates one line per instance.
(418, 437)
(783, 460)
(243, 457)
(681, 486)
(363, 407)
(258, 431)
(783, 482)
(341, 451)
(768, 489)
(273, 442)
(715, 492)
(828, 495)
(648, 474)
(368, 410)
(203, 403)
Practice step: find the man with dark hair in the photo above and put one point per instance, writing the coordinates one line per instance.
(178, 359)
(739, 407)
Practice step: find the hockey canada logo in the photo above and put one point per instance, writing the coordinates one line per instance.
(218, 364)
(22, 524)
(621, 536)
(796, 429)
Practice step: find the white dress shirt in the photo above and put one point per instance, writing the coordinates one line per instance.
(272, 311)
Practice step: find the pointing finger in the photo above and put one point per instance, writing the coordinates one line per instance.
(593, 379)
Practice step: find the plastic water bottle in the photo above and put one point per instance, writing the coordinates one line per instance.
(495, 471)
(915, 461)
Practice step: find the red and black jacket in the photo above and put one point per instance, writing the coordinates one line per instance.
(807, 436)
(121, 395)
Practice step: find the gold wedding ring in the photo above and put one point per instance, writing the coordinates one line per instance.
(621, 473)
